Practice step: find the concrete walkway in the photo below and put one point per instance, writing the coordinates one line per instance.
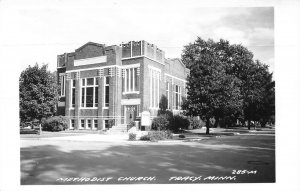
(92, 137)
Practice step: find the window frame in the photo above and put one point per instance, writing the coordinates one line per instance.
(130, 79)
(168, 94)
(177, 97)
(62, 87)
(105, 84)
(154, 87)
(95, 120)
(73, 87)
(89, 124)
(83, 93)
(72, 124)
(82, 120)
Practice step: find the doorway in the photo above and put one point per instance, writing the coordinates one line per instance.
(130, 113)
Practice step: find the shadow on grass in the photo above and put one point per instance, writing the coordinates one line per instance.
(45, 164)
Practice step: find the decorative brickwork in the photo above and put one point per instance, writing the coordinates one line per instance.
(126, 65)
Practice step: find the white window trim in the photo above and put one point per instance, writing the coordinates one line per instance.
(130, 90)
(103, 121)
(71, 124)
(104, 92)
(179, 99)
(154, 74)
(71, 105)
(168, 94)
(80, 126)
(93, 124)
(87, 124)
(62, 88)
(94, 93)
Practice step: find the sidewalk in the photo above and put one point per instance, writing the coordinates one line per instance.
(92, 137)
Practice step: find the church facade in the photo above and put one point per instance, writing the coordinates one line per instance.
(104, 86)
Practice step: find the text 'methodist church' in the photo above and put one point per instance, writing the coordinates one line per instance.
(103, 85)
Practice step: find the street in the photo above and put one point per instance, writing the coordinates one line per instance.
(247, 158)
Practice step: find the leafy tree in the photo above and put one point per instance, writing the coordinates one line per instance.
(226, 83)
(212, 92)
(38, 93)
(259, 94)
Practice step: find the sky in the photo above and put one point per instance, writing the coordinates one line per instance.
(40, 30)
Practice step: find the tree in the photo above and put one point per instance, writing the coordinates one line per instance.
(212, 92)
(38, 93)
(226, 83)
(259, 96)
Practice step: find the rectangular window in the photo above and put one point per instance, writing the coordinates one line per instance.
(72, 124)
(96, 123)
(177, 97)
(168, 93)
(106, 91)
(73, 88)
(82, 124)
(154, 88)
(131, 80)
(106, 124)
(62, 85)
(96, 96)
(89, 92)
(89, 97)
(89, 123)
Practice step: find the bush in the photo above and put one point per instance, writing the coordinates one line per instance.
(132, 136)
(57, 123)
(160, 123)
(145, 138)
(179, 122)
(196, 123)
(157, 135)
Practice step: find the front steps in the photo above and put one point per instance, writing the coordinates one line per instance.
(122, 128)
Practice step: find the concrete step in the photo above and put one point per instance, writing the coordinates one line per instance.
(118, 129)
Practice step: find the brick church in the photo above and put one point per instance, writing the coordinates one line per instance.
(109, 86)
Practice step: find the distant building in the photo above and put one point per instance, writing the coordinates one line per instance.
(103, 85)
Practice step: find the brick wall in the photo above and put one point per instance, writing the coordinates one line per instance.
(114, 55)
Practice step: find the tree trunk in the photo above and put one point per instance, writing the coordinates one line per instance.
(249, 124)
(217, 124)
(207, 126)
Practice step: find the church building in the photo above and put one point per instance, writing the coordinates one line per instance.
(103, 87)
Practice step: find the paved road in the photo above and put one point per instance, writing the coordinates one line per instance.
(45, 161)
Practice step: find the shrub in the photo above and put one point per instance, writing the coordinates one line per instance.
(57, 123)
(160, 123)
(196, 123)
(145, 138)
(132, 136)
(157, 135)
(179, 122)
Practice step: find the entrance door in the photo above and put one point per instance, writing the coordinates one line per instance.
(130, 113)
